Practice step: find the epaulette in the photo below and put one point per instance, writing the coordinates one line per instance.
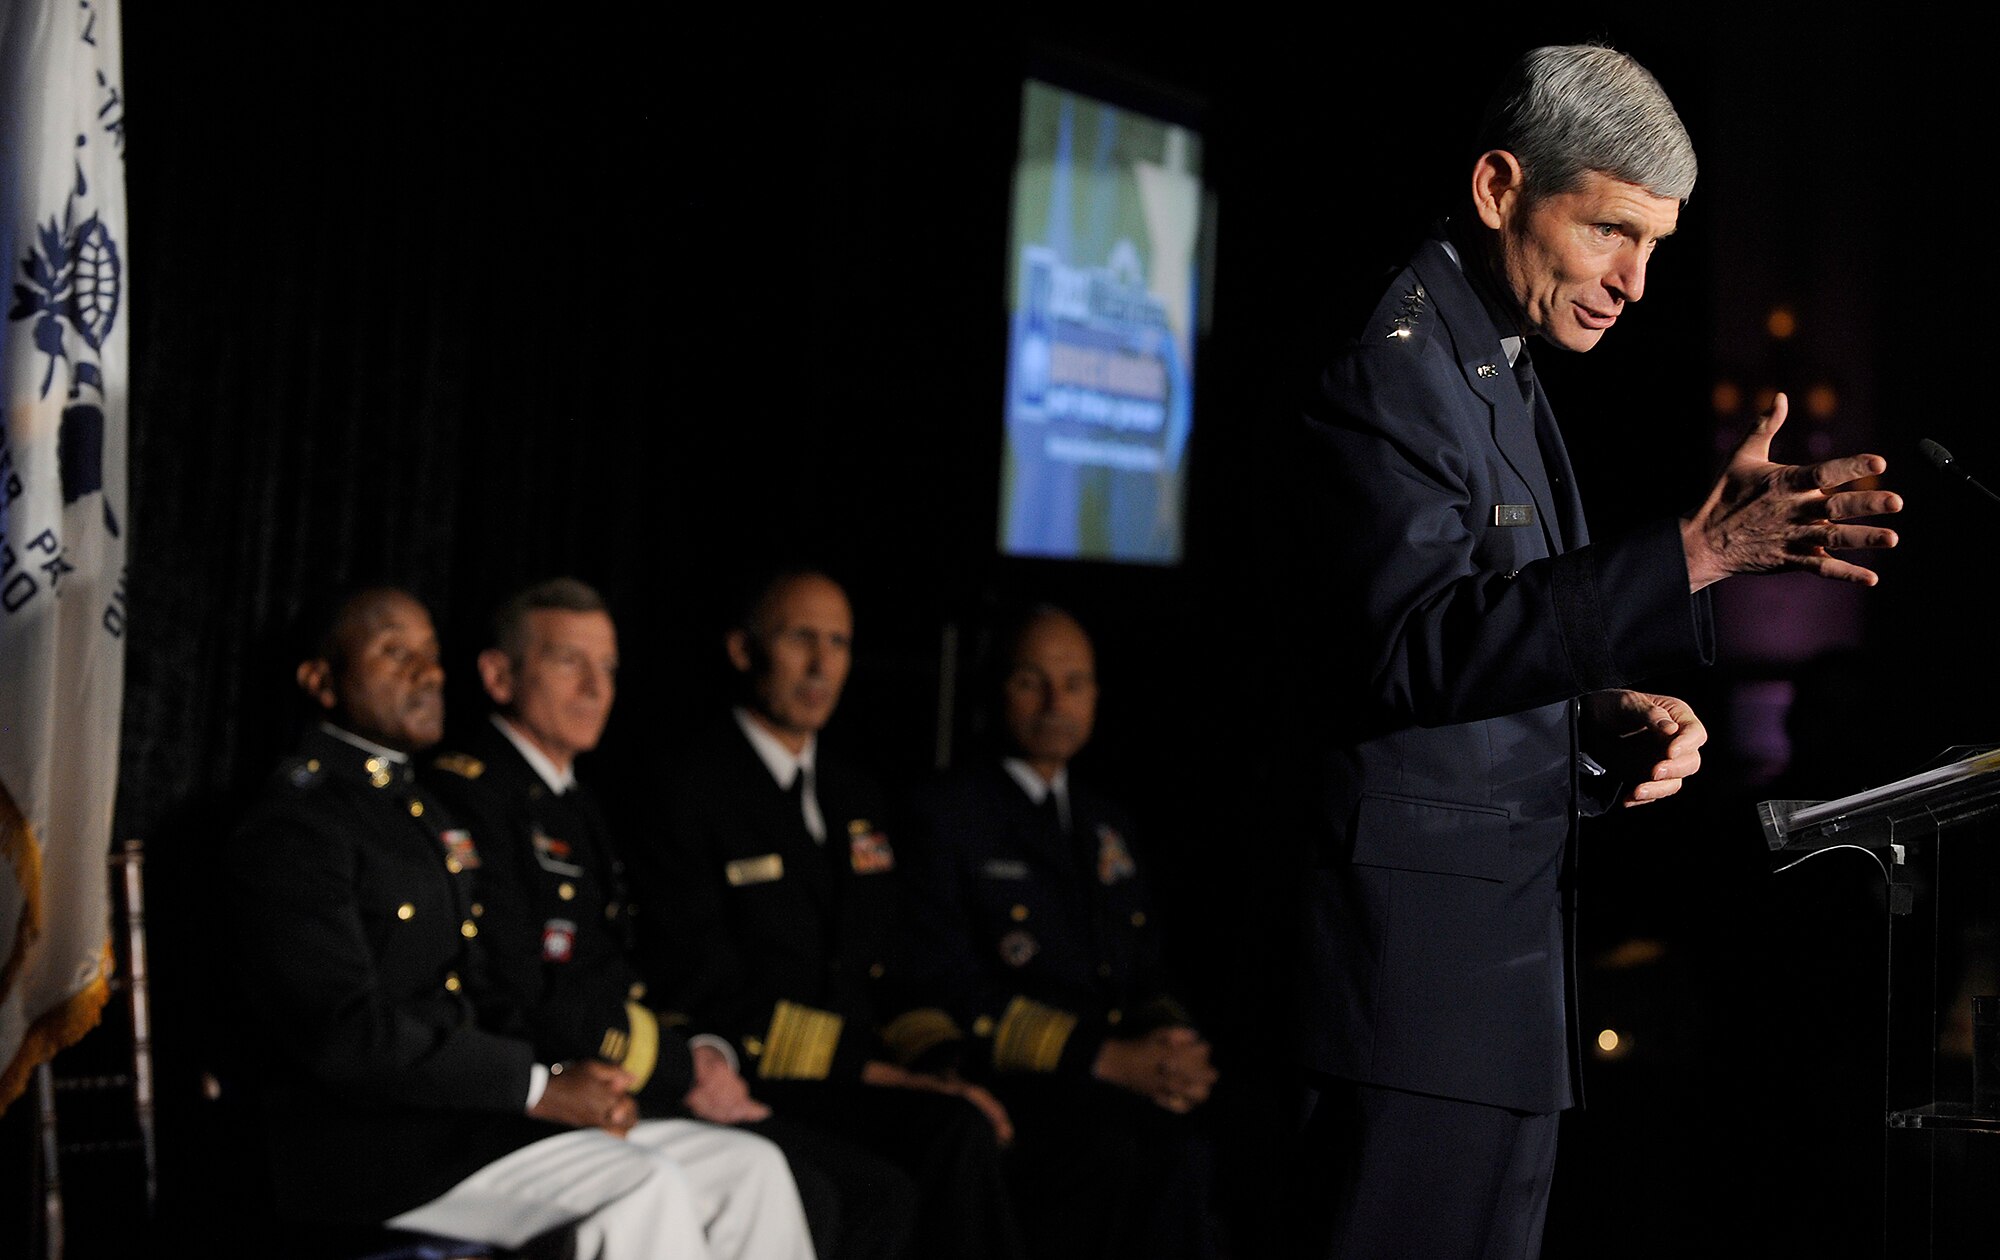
(300, 772)
(464, 765)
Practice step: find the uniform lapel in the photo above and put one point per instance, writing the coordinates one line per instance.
(1569, 501)
(1488, 374)
(1040, 838)
(780, 825)
(1096, 893)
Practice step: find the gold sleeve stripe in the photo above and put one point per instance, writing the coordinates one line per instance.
(613, 1046)
(1031, 1037)
(914, 1034)
(800, 1044)
(642, 1052)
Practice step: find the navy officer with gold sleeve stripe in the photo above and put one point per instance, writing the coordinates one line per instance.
(1031, 931)
(770, 900)
(558, 920)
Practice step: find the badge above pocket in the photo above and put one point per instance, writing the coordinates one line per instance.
(868, 849)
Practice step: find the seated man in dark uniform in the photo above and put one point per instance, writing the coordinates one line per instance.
(397, 1084)
(557, 925)
(770, 895)
(1031, 928)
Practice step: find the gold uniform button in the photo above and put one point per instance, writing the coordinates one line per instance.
(373, 765)
(406, 911)
(1138, 918)
(468, 929)
(875, 971)
(416, 809)
(380, 778)
(1018, 913)
(566, 890)
(478, 910)
(637, 991)
(983, 1026)
(451, 982)
(312, 764)
(453, 865)
(753, 1046)
(1113, 1015)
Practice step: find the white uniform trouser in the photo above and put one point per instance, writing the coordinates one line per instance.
(669, 1188)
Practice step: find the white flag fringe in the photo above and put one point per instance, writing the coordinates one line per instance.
(64, 377)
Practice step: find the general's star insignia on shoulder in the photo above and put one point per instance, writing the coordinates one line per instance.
(1406, 320)
(462, 765)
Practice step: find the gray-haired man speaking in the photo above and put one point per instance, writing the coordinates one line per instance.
(1474, 655)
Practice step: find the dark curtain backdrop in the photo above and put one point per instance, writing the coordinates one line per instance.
(462, 299)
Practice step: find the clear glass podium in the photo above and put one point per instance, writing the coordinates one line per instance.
(1937, 834)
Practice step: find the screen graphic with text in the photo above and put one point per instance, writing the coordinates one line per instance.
(1102, 298)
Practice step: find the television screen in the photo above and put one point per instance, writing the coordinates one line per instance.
(1102, 299)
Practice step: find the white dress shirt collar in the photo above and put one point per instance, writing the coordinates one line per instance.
(559, 781)
(1038, 788)
(781, 761)
(369, 746)
(785, 766)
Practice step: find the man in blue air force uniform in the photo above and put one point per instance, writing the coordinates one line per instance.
(1473, 653)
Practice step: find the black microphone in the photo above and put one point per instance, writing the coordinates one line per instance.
(1941, 460)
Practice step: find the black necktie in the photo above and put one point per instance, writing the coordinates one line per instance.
(1554, 462)
(799, 799)
(1524, 376)
(1051, 812)
(801, 783)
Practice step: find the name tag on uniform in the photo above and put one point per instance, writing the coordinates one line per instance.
(1513, 514)
(755, 870)
(553, 854)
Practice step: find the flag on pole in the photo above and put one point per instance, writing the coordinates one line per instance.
(63, 516)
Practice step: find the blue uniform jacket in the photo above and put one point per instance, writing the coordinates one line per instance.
(1460, 608)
